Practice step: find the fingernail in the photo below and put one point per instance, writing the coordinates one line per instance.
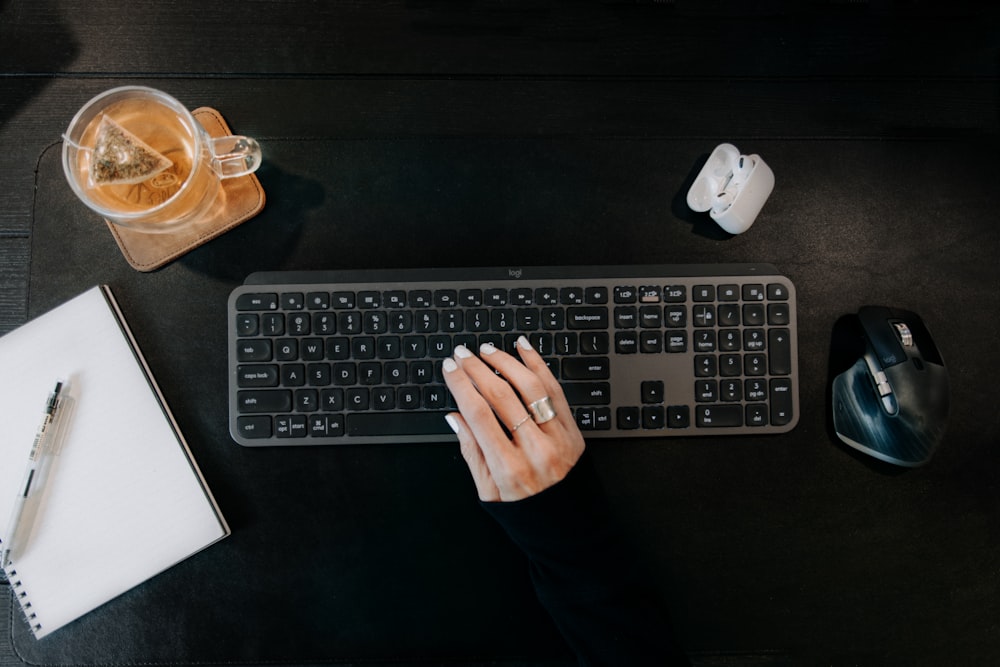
(487, 348)
(452, 422)
(462, 352)
(523, 343)
(449, 365)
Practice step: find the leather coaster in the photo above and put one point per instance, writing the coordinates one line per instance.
(241, 199)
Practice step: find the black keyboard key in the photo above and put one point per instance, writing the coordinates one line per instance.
(756, 414)
(676, 342)
(703, 293)
(247, 324)
(626, 317)
(495, 297)
(420, 298)
(470, 298)
(625, 294)
(753, 292)
(753, 315)
(398, 423)
(780, 351)
(777, 292)
(628, 418)
(257, 375)
(586, 368)
(264, 400)
(729, 292)
(587, 317)
(649, 294)
(675, 293)
(318, 300)
(546, 296)
(596, 295)
(292, 301)
(446, 298)
(571, 296)
(653, 417)
(272, 324)
(587, 393)
(255, 427)
(652, 391)
(718, 416)
(626, 342)
(777, 314)
(268, 301)
(678, 416)
(594, 342)
(253, 349)
(521, 296)
(343, 300)
(781, 401)
(394, 299)
(369, 299)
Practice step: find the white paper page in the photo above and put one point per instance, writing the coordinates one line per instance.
(122, 501)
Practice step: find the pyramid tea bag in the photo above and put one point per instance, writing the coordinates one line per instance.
(120, 157)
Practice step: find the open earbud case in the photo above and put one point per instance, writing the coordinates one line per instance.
(732, 188)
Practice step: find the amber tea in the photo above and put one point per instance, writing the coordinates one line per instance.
(139, 158)
(142, 155)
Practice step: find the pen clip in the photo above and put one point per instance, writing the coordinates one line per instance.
(60, 418)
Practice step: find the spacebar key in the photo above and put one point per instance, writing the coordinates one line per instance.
(398, 423)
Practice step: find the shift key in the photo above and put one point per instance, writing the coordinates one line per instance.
(587, 393)
(264, 400)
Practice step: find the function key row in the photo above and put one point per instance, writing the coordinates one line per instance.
(701, 293)
(518, 296)
(441, 298)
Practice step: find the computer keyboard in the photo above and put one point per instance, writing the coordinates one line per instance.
(351, 357)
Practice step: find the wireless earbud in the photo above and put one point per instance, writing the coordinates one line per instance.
(741, 170)
(722, 201)
(732, 188)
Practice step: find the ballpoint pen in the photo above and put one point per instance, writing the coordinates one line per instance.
(41, 449)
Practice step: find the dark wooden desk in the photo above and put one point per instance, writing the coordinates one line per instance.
(881, 127)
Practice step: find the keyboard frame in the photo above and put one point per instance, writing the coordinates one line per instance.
(471, 277)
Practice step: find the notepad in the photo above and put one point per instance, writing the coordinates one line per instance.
(124, 499)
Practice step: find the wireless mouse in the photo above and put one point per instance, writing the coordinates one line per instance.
(892, 403)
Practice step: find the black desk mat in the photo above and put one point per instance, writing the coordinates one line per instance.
(380, 553)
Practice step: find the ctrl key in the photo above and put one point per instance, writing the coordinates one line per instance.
(257, 426)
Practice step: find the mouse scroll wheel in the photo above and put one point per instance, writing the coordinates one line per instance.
(903, 331)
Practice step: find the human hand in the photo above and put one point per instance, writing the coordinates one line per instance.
(536, 455)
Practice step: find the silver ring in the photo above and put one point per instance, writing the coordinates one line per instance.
(520, 423)
(542, 410)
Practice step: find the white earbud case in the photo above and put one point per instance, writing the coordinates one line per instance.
(732, 196)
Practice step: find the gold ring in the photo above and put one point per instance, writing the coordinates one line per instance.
(520, 423)
(542, 410)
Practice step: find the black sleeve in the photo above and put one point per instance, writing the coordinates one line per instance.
(590, 587)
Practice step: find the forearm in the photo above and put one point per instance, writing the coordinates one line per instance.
(595, 595)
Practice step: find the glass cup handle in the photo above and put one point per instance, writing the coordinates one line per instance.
(235, 155)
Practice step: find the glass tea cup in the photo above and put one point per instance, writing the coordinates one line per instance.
(137, 156)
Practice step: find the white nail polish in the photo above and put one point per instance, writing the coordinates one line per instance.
(523, 343)
(452, 422)
(449, 365)
(487, 348)
(462, 352)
